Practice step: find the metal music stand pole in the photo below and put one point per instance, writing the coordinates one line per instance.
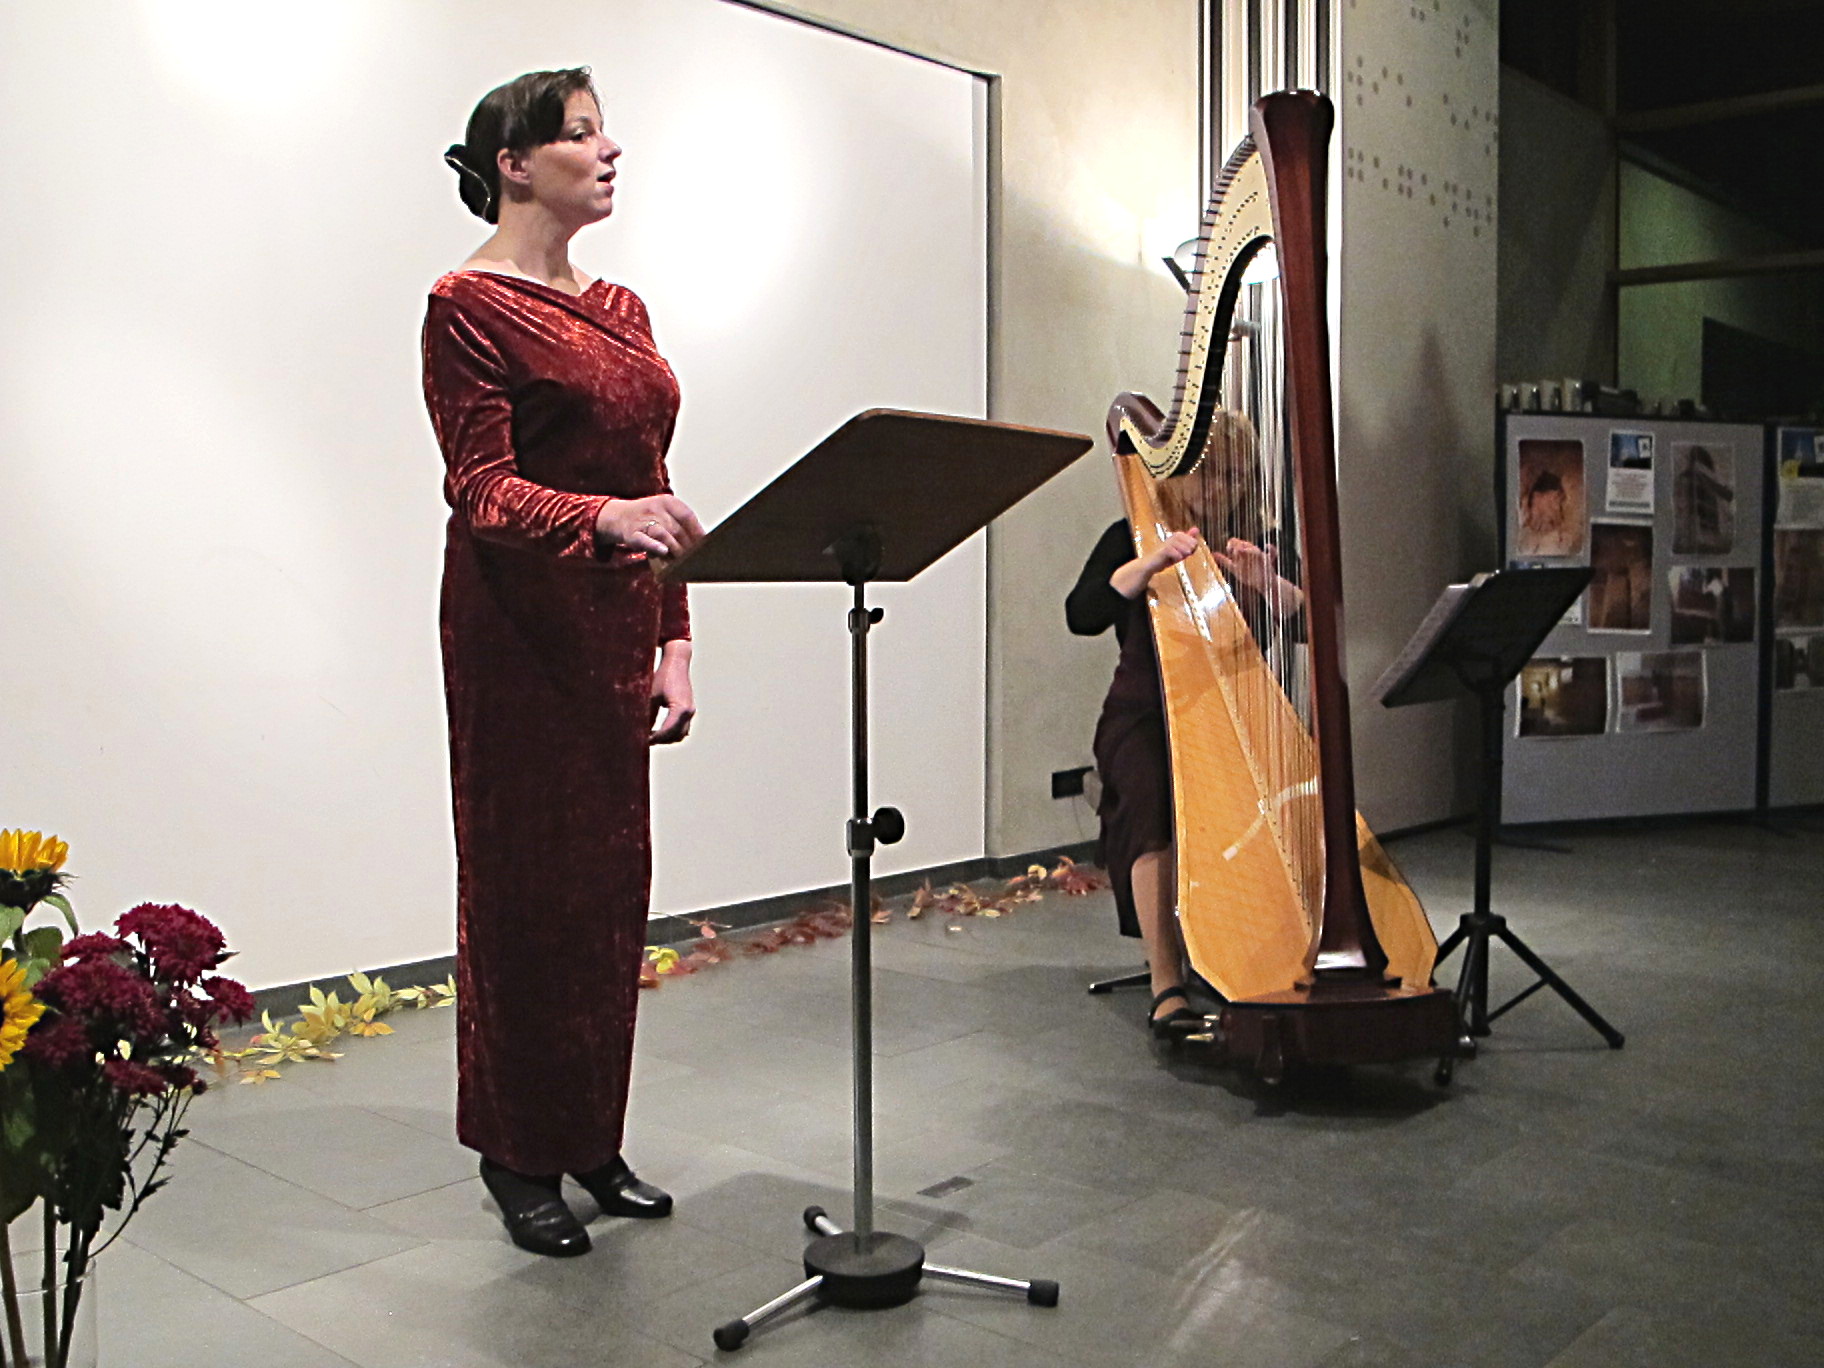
(1475, 640)
(880, 499)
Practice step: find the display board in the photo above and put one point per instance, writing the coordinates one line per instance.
(1795, 759)
(1645, 699)
(225, 525)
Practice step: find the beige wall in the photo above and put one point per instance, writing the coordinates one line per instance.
(1098, 140)
(1415, 332)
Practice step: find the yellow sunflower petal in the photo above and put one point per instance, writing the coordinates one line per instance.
(9, 849)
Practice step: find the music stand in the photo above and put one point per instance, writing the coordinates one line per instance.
(881, 498)
(1476, 639)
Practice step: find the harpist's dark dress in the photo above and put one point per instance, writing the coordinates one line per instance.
(1132, 753)
(545, 404)
(1130, 746)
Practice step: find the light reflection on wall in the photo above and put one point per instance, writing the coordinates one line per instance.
(230, 50)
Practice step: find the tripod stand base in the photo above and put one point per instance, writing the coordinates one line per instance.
(1475, 931)
(867, 1273)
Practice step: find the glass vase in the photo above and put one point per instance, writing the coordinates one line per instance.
(33, 1319)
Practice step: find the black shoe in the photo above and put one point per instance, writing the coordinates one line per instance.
(534, 1213)
(618, 1192)
(1176, 1022)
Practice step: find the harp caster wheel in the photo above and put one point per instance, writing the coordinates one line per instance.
(730, 1337)
(1042, 1292)
(1446, 1070)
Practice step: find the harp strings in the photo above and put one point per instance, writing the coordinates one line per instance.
(1244, 491)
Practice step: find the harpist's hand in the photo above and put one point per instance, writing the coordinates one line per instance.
(660, 525)
(1130, 580)
(1245, 563)
(672, 694)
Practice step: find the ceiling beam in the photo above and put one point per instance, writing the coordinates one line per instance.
(1715, 111)
(1722, 268)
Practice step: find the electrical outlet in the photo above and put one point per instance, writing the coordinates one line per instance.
(1068, 783)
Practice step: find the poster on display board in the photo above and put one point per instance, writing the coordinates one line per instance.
(1630, 488)
(1620, 595)
(1659, 691)
(1798, 663)
(1712, 603)
(1801, 472)
(1703, 499)
(1563, 697)
(1551, 512)
(1798, 577)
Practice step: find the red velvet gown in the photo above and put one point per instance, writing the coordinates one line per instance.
(545, 404)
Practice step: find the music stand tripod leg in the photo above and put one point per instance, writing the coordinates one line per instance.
(1549, 977)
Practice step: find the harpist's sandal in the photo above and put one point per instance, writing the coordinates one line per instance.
(1174, 1022)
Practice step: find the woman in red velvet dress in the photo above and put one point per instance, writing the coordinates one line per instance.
(553, 410)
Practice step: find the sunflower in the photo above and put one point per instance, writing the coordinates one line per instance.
(30, 865)
(19, 1010)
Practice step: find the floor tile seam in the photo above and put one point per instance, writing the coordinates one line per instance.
(246, 1302)
(373, 1207)
(300, 1187)
(418, 1243)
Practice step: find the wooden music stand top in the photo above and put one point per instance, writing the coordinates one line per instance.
(922, 482)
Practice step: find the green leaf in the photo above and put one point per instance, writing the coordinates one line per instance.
(11, 919)
(62, 904)
(45, 943)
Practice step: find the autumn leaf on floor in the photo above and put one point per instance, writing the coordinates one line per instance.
(1073, 879)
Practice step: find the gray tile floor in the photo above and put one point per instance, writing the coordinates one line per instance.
(1561, 1205)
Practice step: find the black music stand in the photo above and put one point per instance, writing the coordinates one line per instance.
(1476, 639)
(881, 498)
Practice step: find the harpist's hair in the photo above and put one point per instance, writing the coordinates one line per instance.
(524, 113)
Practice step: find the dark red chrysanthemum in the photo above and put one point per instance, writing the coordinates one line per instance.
(135, 1080)
(95, 945)
(62, 1041)
(180, 1076)
(235, 1002)
(182, 945)
(101, 989)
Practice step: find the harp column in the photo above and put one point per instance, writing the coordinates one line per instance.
(1412, 298)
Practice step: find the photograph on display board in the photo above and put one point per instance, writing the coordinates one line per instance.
(1659, 691)
(1620, 597)
(1564, 697)
(1798, 662)
(1630, 472)
(1703, 499)
(1551, 504)
(1801, 478)
(1711, 604)
(1798, 577)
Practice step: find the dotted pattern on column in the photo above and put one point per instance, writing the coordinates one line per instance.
(1450, 172)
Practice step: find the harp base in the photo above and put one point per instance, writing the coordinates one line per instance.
(1337, 1023)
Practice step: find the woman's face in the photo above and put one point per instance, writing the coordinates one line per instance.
(574, 176)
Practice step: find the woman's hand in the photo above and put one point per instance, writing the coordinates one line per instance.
(1245, 563)
(672, 695)
(1130, 580)
(660, 525)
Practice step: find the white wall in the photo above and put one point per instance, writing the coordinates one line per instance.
(220, 566)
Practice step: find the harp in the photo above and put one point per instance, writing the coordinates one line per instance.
(1288, 905)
